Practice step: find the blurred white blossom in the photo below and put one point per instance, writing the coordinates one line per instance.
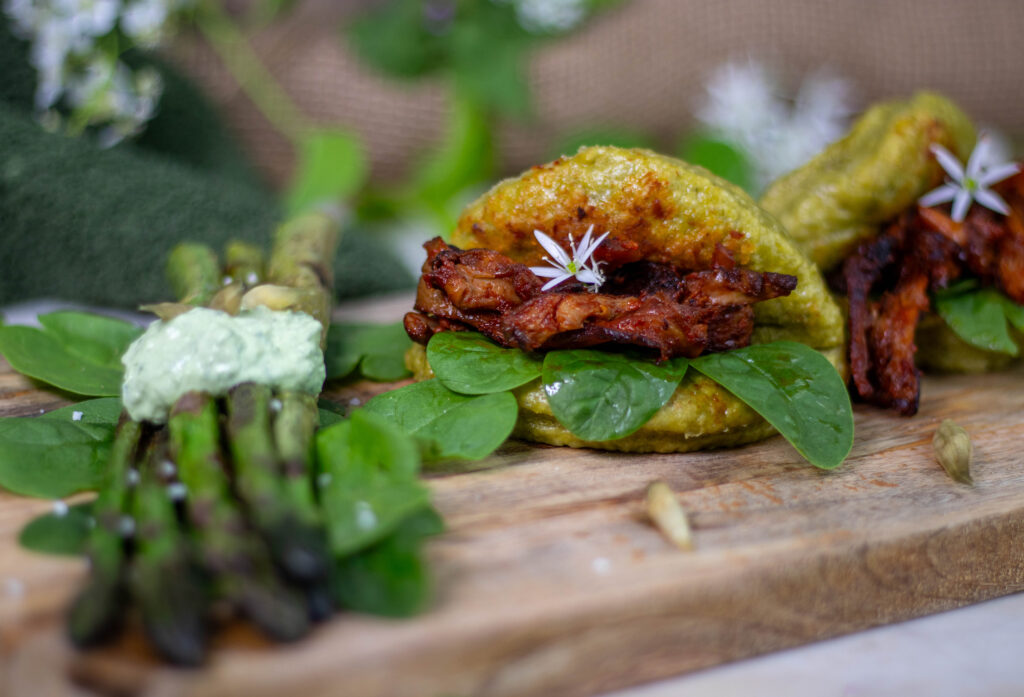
(548, 16)
(745, 104)
(143, 21)
(79, 71)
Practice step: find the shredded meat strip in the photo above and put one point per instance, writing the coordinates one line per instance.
(887, 282)
(645, 304)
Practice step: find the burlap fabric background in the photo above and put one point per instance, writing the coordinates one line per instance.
(642, 64)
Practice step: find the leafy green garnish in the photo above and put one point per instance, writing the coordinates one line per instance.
(53, 455)
(980, 316)
(59, 534)
(331, 167)
(795, 389)
(604, 396)
(721, 157)
(468, 363)
(391, 578)
(74, 351)
(450, 425)
(369, 480)
(463, 158)
(329, 417)
(602, 135)
(378, 350)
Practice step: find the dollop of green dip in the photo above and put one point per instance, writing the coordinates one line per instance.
(211, 351)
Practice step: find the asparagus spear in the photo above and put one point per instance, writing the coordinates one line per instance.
(236, 559)
(164, 578)
(294, 428)
(96, 612)
(300, 548)
(244, 263)
(194, 273)
(301, 259)
(244, 268)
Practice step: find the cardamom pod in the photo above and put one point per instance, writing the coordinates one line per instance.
(228, 299)
(668, 515)
(954, 451)
(166, 311)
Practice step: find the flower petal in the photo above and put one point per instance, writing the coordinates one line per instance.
(948, 161)
(978, 158)
(586, 237)
(991, 200)
(555, 281)
(589, 277)
(552, 248)
(944, 193)
(547, 271)
(588, 252)
(960, 205)
(998, 173)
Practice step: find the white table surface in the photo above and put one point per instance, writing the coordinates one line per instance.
(975, 651)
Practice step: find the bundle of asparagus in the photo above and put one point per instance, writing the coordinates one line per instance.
(218, 508)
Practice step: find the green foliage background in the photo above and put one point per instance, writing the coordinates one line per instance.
(91, 225)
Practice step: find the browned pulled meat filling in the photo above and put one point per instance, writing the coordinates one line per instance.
(887, 282)
(644, 304)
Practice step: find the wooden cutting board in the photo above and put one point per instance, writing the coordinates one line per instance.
(551, 581)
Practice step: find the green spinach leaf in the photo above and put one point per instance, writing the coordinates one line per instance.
(391, 578)
(378, 350)
(979, 316)
(59, 534)
(74, 351)
(369, 480)
(329, 417)
(450, 425)
(96, 338)
(795, 389)
(55, 455)
(604, 396)
(466, 362)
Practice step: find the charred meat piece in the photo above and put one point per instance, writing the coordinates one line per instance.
(647, 304)
(887, 281)
(882, 329)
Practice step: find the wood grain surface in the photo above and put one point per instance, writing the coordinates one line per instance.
(551, 581)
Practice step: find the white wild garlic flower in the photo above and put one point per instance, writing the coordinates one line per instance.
(570, 265)
(79, 71)
(972, 183)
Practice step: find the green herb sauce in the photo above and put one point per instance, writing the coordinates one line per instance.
(211, 351)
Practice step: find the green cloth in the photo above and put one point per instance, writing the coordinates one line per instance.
(82, 223)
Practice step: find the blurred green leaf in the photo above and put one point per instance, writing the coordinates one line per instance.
(391, 578)
(372, 483)
(74, 351)
(488, 50)
(64, 534)
(463, 158)
(377, 349)
(394, 38)
(58, 453)
(721, 157)
(267, 10)
(448, 425)
(601, 135)
(331, 166)
(979, 316)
